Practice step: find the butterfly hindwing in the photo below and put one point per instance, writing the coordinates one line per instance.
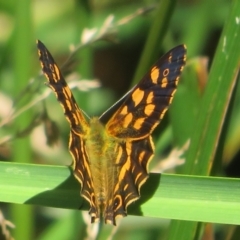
(146, 104)
(82, 171)
(133, 173)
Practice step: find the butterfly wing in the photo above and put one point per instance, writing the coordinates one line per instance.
(78, 124)
(131, 173)
(146, 104)
(141, 111)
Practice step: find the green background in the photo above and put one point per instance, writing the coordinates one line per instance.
(198, 199)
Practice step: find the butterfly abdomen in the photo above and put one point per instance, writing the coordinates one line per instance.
(102, 155)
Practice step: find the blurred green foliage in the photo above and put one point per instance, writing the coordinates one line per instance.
(128, 37)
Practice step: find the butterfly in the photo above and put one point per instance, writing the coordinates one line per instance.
(111, 161)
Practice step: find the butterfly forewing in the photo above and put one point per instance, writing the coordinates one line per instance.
(111, 162)
(147, 103)
(63, 93)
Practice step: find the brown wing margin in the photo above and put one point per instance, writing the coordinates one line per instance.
(78, 125)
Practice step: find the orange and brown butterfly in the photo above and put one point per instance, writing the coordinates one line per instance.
(111, 161)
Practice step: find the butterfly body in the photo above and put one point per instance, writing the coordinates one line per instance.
(111, 161)
(101, 151)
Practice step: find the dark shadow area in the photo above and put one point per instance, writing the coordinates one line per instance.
(147, 192)
(66, 195)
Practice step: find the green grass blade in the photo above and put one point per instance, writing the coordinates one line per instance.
(194, 198)
(21, 149)
(216, 98)
(213, 109)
